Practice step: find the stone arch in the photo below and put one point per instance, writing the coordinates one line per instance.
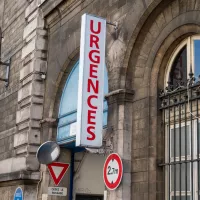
(151, 50)
(119, 50)
(151, 11)
(60, 82)
(148, 43)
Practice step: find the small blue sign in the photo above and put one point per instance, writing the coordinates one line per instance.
(18, 194)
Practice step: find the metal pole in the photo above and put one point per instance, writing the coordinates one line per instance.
(0, 42)
(180, 149)
(71, 176)
(169, 150)
(186, 139)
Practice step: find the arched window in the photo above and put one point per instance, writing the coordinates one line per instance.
(184, 61)
(66, 131)
(181, 119)
(178, 73)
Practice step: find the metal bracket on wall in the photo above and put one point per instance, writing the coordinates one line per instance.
(112, 24)
(115, 27)
(7, 65)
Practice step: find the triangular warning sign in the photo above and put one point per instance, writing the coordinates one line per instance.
(57, 171)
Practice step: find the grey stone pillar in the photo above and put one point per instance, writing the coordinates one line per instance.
(120, 131)
(31, 93)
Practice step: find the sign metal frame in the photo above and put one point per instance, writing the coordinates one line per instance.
(58, 179)
(91, 81)
(116, 157)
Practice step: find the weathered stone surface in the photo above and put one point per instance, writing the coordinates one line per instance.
(135, 58)
(31, 8)
(12, 165)
(30, 28)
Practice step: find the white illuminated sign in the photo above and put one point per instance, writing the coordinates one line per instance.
(91, 82)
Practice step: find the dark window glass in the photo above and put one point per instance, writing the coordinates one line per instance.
(184, 132)
(88, 197)
(196, 58)
(183, 177)
(178, 73)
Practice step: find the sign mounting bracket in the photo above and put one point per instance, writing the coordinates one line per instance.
(115, 26)
(6, 64)
(112, 24)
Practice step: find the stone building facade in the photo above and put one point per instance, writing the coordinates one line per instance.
(42, 40)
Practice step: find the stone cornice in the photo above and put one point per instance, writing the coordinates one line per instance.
(27, 176)
(120, 96)
(47, 6)
(51, 122)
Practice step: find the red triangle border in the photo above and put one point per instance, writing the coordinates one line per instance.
(58, 164)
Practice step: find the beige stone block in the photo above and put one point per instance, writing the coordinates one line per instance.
(26, 70)
(34, 136)
(36, 111)
(23, 115)
(21, 150)
(31, 136)
(140, 165)
(40, 65)
(23, 126)
(12, 165)
(35, 124)
(40, 23)
(35, 65)
(139, 177)
(44, 196)
(25, 91)
(38, 88)
(32, 149)
(31, 36)
(32, 16)
(42, 32)
(30, 28)
(37, 100)
(41, 43)
(32, 163)
(41, 2)
(20, 139)
(28, 48)
(28, 79)
(31, 8)
(25, 102)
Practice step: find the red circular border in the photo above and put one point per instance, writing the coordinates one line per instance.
(116, 157)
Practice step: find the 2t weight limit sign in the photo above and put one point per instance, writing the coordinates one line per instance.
(112, 172)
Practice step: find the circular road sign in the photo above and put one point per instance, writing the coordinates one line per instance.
(18, 194)
(112, 171)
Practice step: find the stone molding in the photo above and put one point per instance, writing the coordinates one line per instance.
(47, 6)
(24, 176)
(120, 96)
(50, 122)
(18, 164)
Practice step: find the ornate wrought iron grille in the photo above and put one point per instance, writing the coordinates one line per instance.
(181, 117)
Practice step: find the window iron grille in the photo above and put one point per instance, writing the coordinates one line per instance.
(181, 118)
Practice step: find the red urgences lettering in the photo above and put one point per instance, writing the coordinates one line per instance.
(93, 82)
